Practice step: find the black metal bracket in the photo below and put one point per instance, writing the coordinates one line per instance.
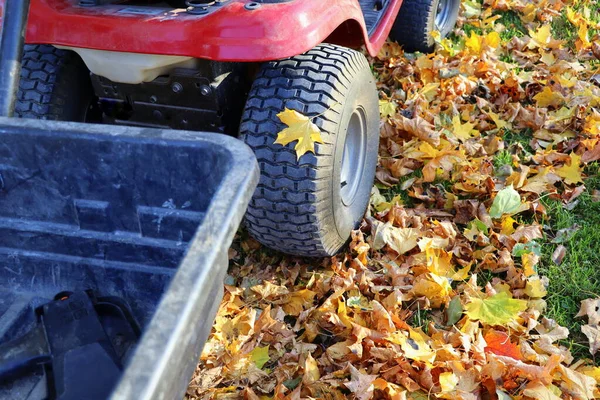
(12, 40)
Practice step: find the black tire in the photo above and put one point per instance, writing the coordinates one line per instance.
(298, 206)
(55, 84)
(417, 20)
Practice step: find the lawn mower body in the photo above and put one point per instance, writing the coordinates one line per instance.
(229, 30)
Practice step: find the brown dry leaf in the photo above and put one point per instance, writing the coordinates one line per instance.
(361, 384)
(418, 127)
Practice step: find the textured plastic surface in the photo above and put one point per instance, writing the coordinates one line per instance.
(143, 214)
(231, 33)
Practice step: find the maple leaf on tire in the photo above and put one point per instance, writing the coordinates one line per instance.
(300, 128)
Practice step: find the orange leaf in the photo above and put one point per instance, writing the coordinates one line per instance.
(499, 343)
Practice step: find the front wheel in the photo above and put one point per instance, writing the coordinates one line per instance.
(417, 19)
(310, 206)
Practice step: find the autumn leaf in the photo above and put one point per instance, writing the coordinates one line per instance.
(499, 343)
(535, 288)
(413, 345)
(539, 391)
(436, 288)
(571, 173)
(462, 131)
(507, 201)
(540, 38)
(454, 311)
(387, 108)
(448, 381)
(300, 128)
(361, 384)
(549, 98)
(593, 334)
(499, 309)
(401, 240)
(311, 370)
(260, 356)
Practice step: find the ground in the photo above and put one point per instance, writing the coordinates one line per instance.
(466, 278)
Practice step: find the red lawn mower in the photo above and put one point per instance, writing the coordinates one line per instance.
(231, 66)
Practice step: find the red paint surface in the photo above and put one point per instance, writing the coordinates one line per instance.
(232, 33)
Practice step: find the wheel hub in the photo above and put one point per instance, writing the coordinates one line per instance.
(353, 159)
(442, 16)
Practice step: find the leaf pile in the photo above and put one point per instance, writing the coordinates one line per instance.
(438, 295)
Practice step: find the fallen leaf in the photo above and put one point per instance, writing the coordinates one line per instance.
(499, 343)
(311, 370)
(507, 201)
(549, 98)
(360, 384)
(571, 173)
(498, 309)
(593, 334)
(401, 240)
(300, 128)
(387, 108)
(448, 381)
(260, 356)
(538, 391)
(454, 311)
(559, 254)
(462, 131)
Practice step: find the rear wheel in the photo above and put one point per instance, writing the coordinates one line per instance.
(55, 84)
(417, 20)
(310, 206)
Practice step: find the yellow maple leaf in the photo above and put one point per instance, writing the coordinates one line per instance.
(448, 381)
(436, 288)
(535, 288)
(387, 108)
(508, 223)
(547, 98)
(492, 39)
(300, 128)
(473, 43)
(592, 124)
(462, 131)
(414, 345)
(582, 33)
(540, 38)
(498, 121)
(499, 309)
(547, 58)
(571, 173)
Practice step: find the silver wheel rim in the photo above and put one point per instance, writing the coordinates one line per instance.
(442, 15)
(353, 159)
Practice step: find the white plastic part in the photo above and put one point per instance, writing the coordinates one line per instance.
(130, 67)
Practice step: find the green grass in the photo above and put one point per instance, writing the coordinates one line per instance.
(514, 26)
(502, 158)
(522, 136)
(578, 276)
(563, 29)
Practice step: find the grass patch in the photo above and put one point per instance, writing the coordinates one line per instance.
(563, 29)
(578, 276)
(502, 158)
(514, 26)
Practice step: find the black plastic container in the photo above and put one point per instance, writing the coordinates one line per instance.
(143, 214)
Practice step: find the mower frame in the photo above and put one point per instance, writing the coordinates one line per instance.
(237, 30)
